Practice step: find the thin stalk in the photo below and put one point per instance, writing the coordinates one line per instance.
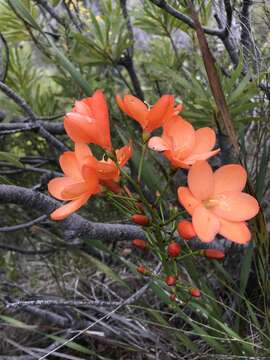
(144, 148)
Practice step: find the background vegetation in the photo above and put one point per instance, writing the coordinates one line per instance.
(53, 52)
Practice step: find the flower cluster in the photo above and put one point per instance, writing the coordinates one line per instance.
(215, 200)
(84, 175)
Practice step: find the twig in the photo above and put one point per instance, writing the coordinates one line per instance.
(11, 128)
(127, 60)
(26, 252)
(23, 226)
(46, 5)
(133, 298)
(187, 20)
(50, 302)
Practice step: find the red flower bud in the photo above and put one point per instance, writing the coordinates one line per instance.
(142, 270)
(213, 254)
(186, 230)
(170, 280)
(173, 297)
(174, 249)
(141, 244)
(195, 292)
(140, 219)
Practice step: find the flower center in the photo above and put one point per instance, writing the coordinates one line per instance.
(210, 203)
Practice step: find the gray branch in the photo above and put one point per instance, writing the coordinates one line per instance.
(52, 127)
(74, 225)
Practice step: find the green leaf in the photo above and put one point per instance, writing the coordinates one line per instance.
(10, 158)
(71, 344)
(17, 323)
(67, 65)
(20, 9)
(105, 269)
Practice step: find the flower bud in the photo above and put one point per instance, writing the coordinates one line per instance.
(145, 136)
(213, 254)
(194, 292)
(170, 280)
(142, 270)
(140, 244)
(173, 297)
(186, 230)
(174, 249)
(140, 219)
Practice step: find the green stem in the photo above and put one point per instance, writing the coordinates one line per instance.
(144, 148)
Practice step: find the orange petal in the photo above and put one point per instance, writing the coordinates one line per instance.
(75, 190)
(158, 144)
(83, 154)
(237, 232)
(201, 180)
(104, 170)
(121, 104)
(159, 113)
(57, 185)
(82, 107)
(67, 209)
(101, 115)
(171, 156)
(235, 206)
(82, 129)
(181, 135)
(136, 109)
(231, 177)
(206, 224)
(191, 159)
(70, 165)
(205, 139)
(123, 155)
(187, 200)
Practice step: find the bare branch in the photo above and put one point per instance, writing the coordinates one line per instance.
(47, 7)
(74, 225)
(49, 302)
(127, 60)
(23, 226)
(187, 20)
(10, 128)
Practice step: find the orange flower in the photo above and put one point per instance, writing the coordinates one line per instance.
(74, 186)
(217, 203)
(149, 118)
(182, 145)
(88, 121)
(107, 171)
